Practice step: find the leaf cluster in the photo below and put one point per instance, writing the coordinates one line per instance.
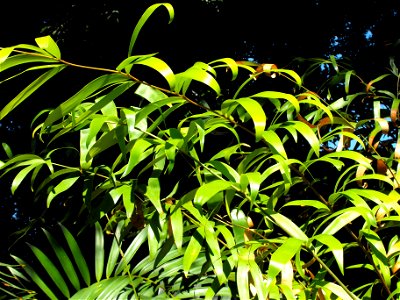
(196, 189)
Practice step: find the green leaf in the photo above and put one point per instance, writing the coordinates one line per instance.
(176, 221)
(77, 254)
(64, 261)
(36, 278)
(161, 67)
(29, 90)
(131, 60)
(287, 225)
(114, 251)
(344, 217)
(291, 73)
(313, 203)
(67, 106)
(254, 109)
(99, 251)
(192, 250)
(306, 132)
(210, 189)
(127, 256)
(282, 256)
(199, 75)
(242, 274)
(140, 151)
(239, 222)
(274, 142)
(7, 150)
(143, 19)
(49, 45)
(379, 254)
(279, 95)
(4, 54)
(18, 59)
(63, 186)
(21, 176)
(333, 245)
(228, 62)
(106, 141)
(51, 270)
(214, 251)
(337, 290)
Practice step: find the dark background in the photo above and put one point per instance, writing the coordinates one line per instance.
(364, 33)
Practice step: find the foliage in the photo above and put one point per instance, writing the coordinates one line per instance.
(228, 179)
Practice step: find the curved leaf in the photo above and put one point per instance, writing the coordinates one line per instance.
(143, 19)
(210, 189)
(29, 90)
(49, 45)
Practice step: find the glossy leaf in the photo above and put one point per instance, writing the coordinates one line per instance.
(64, 260)
(282, 256)
(193, 249)
(36, 278)
(99, 252)
(333, 245)
(210, 189)
(29, 90)
(49, 45)
(51, 270)
(67, 106)
(254, 109)
(77, 254)
(143, 19)
(63, 186)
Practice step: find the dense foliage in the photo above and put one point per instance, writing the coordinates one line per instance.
(229, 179)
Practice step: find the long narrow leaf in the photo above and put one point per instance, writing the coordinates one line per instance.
(99, 252)
(77, 254)
(149, 11)
(29, 90)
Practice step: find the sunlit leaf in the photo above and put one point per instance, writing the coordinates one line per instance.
(4, 53)
(143, 19)
(48, 44)
(99, 252)
(51, 270)
(67, 106)
(77, 254)
(193, 249)
(254, 109)
(64, 260)
(282, 256)
(208, 190)
(275, 143)
(335, 246)
(63, 186)
(29, 90)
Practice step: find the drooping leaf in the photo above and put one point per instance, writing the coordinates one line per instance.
(51, 270)
(254, 109)
(63, 186)
(143, 19)
(49, 45)
(77, 254)
(208, 190)
(282, 256)
(64, 260)
(36, 278)
(67, 106)
(333, 245)
(193, 249)
(29, 90)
